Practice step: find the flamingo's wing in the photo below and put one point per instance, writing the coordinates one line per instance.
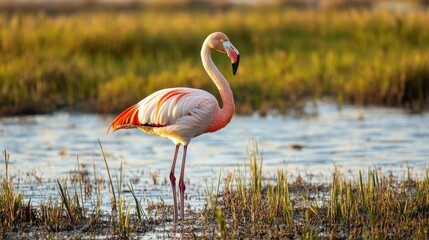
(165, 107)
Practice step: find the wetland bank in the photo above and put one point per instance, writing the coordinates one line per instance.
(316, 170)
(74, 62)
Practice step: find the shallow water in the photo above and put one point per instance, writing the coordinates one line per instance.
(353, 138)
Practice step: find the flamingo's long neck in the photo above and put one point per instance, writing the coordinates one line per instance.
(222, 115)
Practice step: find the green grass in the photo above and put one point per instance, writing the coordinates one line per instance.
(105, 60)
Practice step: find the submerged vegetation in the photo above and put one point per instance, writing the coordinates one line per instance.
(105, 60)
(246, 203)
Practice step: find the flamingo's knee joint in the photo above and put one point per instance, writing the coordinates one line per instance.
(172, 179)
(182, 186)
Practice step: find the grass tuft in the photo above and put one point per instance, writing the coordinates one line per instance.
(373, 207)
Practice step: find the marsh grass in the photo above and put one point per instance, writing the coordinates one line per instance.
(9, 201)
(74, 62)
(375, 206)
(244, 203)
(67, 215)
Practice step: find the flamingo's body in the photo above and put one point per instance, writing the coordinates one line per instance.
(181, 114)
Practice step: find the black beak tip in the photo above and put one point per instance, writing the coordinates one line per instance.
(235, 65)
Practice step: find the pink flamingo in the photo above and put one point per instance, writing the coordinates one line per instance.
(181, 114)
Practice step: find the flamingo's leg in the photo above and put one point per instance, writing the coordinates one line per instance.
(182, 186)
(173, 181)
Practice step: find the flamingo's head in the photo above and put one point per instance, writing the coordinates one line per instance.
(220, 42)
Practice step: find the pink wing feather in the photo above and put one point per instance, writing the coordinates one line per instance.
(164, 107)
(129, 117)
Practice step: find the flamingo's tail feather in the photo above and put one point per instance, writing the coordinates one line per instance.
(129, 118)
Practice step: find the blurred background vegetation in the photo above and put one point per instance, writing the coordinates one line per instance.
(90, 57)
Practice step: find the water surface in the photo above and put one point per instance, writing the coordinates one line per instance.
(353, 139)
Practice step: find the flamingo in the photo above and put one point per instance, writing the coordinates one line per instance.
(181, 114)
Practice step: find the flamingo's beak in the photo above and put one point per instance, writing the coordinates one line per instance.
(235, 65)
(233, 54)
